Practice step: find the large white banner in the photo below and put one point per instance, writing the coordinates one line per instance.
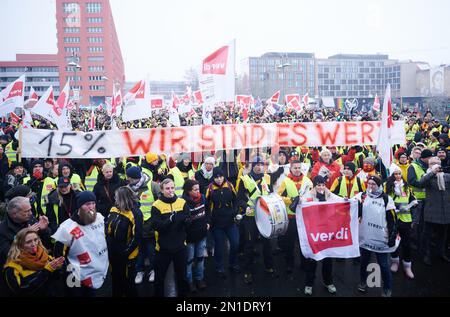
(119, 143)
(328, 230)
(217, 75)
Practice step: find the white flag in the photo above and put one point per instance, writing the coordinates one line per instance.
(384, 145)
(32, 99)
(12, 96)
(137, 102)
(217, 75)
(47, 108)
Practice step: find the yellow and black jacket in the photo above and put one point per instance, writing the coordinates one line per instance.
(23, 282)
(169, 217)
(123, 233)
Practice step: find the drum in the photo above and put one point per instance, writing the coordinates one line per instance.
(271, 216)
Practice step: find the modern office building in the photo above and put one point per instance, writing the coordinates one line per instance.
(88, 49)
(41, 70)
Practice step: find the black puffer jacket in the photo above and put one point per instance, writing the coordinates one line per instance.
(105, 191)
(222, 204)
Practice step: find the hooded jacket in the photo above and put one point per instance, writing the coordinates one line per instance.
(105, 191)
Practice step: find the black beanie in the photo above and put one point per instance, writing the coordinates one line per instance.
(375, 178)
(217, 171)
(36, 162)
(85, 197)
(318, 180)
(426, 154)
(351, 166)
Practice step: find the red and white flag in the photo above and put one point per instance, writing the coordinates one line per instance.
(13, 96)
(293, 101)
(244, 101)
(63, 98)
(328, 229)
(157, 103)
(137, 102)
(91, 125)
(176, 102)
(14, 118)
(32, 99)
(217, 75)
(306, 100)
(376, 104)
(116, 101)
(198, 97)
(385, 143)
(47, 108)
(275, 98)
(27, 119)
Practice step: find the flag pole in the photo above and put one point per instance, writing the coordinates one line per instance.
(20, 140)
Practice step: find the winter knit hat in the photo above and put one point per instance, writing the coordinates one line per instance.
(134, 172)
(426, 154)
(369, 160)
(36, 162)
(85, 197)
(376, 179)
(151, 157)
(351, 166)
(257, 160)
(217, 172)
(318, 180)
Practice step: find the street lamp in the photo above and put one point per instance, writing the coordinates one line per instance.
(282, 66)
(76, 67)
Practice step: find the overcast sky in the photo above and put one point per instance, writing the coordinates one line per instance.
(164, 38)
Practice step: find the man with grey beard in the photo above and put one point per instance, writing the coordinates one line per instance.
(81, 239)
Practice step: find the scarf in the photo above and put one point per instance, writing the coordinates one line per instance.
(34, 262)
(375, 194)
(256, 177)
(207, 175)
(297, 180)
(398, 188)
(441, 181)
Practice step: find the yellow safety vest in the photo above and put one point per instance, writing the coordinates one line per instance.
(76, 182)
(253, 189)
(47, 188)
(292, 192)
(148, 172)
(91, 180)
(178, 180)
(355, 188)
(146, 201)
(165, 208)
(356, 160)
(404, 216)
(419, 193)
(10, 153)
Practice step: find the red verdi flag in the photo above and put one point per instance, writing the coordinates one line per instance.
(275, 98)
(12, 96)
(216, 63)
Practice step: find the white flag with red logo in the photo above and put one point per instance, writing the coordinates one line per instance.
(198, 97)
(91, 124)
(244, 101)
(14, 118)
(27, 119)
(137, 102)
(12, 96)
(384, 145)
(217, 75)
(306, 100)
(63, 101)
(157, 103)
(328, 229)
(32, 99)
(176, 102)
(293, 101)
(275, 98)
(376, 104)
(116, 102)
(47, 108)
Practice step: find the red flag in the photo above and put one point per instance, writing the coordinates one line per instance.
(14, 118)
(376, 104)
(294, 102)
(244, 101)
(175, 101)
(275, 98)
(198, 97)
(157, 103)
(306, 99)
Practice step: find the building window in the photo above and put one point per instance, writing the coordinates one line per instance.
(95, 49)
(71, 7)
(96, 68)
(94, 30)
(71, 40)
(95, 39)
(71, 30)
(72, 20)
(96, 87)
(72, 78)
(71, 49)
(93, 7)
(96, 58)
(95, 20)
(95, 78)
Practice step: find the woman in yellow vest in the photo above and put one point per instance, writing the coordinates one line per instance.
(402, 162)
(123, 236)
(349, 184)
(402, 195)
(29, 268)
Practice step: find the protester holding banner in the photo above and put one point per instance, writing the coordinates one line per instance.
(326, 167)
(29, 268)
(377, 231)
(61, 203)
(349, 184)
(250, 187)
(401, 193)
(292, 189)
(319, 193)
(169, 217)
(123, 237)
(221, 198)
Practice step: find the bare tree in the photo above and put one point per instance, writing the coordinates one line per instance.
(191, 77)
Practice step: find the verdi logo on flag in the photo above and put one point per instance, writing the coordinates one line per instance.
(328, 229)
(216, 63)
(157, 103)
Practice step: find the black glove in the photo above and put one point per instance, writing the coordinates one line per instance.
(294, 204)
